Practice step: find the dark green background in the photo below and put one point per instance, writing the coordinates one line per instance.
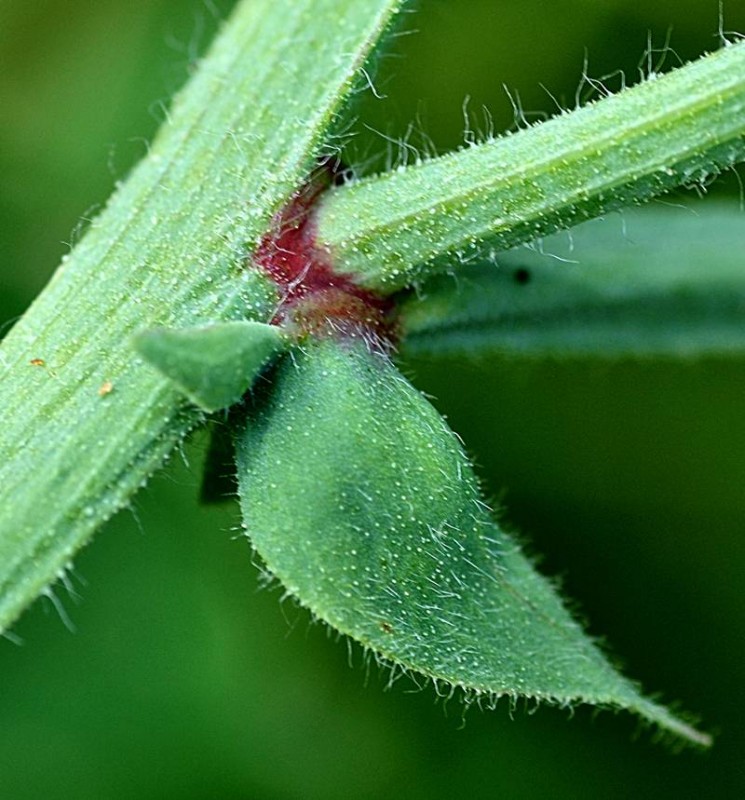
(182, 679)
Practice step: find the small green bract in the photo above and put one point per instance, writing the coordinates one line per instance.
(213, 365)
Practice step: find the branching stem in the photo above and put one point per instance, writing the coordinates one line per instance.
(401, 227)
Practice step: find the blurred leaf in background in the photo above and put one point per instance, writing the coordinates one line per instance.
(182, 680)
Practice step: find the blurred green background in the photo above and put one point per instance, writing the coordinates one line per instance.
(182, 678)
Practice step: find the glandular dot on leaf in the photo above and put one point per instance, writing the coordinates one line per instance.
(360, 499)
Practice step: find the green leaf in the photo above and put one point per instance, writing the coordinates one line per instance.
(212, 365)
(84, 420)
(361, 501)
(396, 229)
(659, 282)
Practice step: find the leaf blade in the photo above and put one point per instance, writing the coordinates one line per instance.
(360, 499)
(661, 283)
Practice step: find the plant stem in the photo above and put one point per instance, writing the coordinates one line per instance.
(396, 229)
(84, 420)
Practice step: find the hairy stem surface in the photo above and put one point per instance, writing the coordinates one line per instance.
(681, 128)
(83, 420)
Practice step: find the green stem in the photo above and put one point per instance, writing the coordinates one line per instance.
(396, 229)
(84, 420)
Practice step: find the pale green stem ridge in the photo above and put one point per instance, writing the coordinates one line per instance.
(83, 420)
(393, 230)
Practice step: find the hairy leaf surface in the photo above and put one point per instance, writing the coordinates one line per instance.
(362, 502)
